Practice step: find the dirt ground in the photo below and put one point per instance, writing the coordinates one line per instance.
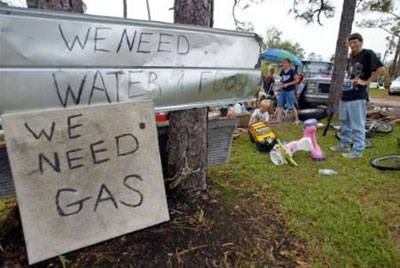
(393, 102)
(206, 231)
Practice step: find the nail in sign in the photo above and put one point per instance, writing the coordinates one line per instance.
(85, 175)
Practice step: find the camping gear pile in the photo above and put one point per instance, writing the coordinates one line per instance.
(391, 116)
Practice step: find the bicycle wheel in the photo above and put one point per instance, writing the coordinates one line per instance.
(337, 134)
(387, 162)
(368, 142)
(380, 127)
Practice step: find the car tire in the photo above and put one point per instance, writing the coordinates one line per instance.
(302, 101)
(316, 113)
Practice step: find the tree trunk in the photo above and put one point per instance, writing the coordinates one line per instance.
(75, 6)
(187, 145)
(395, 68)
(340, 62)
(125, 9)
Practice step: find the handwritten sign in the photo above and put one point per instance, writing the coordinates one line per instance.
(84, 175)
(83, 60)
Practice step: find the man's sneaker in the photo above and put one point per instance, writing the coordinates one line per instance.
(340, 148)
(352, 155)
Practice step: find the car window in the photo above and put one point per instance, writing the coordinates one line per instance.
(263, 131)
(318, 68)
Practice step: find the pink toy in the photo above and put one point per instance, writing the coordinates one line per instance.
(283, 153)
(309, 131)
(304, 144)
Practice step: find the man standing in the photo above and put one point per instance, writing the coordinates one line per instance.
(363, 68)
(287, 97)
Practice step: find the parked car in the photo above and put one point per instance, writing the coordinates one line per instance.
(314, 89)
(394, 86)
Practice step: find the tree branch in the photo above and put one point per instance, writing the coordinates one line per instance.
(322, 7)
(314, 10)
(388, 31)
(235, 3)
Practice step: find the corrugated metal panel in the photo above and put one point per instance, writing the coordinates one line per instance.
(6, 182)
(219, 138)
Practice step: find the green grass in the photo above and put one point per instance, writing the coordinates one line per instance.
(351, 219)
(378, 93)
(6, 205)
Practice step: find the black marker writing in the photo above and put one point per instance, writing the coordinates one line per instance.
(100, 198)
(70, 127)
(97, 151)
(97, 39)
(55, 165)
(75, 40)
(130, 144)
(71, 159)
(101, 88)
(42, 132)
(126, 179)
(78, 203)
(69, 92)
(142, 41)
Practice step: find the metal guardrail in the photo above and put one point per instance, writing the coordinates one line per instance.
(55, 60)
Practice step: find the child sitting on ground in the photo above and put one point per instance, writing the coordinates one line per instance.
(261, 114)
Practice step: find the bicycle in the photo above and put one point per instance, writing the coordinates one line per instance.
(368, 142)
(372, 127)
(387, 162)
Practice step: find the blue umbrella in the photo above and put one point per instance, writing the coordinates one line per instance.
(278, 55)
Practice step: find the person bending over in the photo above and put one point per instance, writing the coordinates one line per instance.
(260, 114)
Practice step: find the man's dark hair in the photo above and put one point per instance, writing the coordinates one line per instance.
(287, 59)
(272, 70)
(356, 36)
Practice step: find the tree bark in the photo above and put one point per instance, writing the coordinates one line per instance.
(75, 6)
(340, 62)
(395, 68)
(187, 144)
(125, 9)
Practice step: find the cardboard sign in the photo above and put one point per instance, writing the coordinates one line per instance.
(85, 175)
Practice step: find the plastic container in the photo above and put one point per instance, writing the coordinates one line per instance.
(238, 108)
(161, 117)
(327, 172)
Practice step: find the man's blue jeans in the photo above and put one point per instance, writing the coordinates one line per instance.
(352, 124)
